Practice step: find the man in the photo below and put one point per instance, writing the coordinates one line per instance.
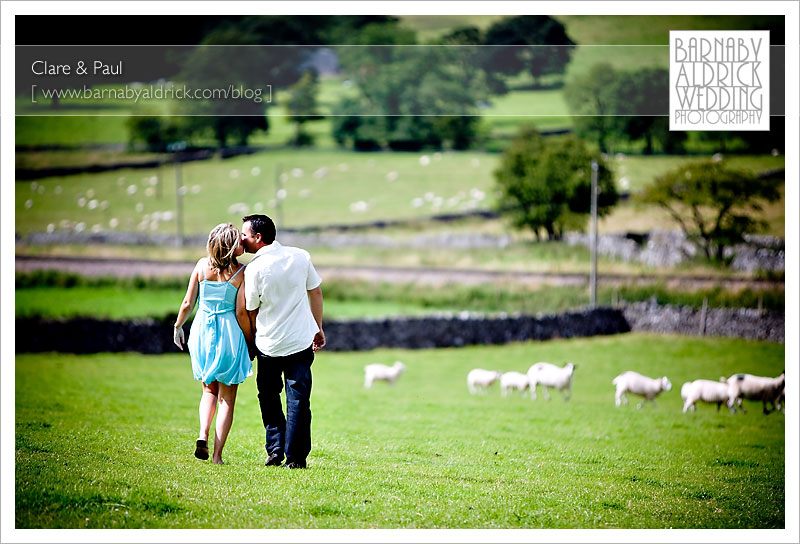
(283, 300)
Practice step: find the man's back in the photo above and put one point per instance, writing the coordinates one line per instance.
(277, 282)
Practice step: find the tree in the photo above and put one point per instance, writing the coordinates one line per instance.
(535, 30)
(640, 99)
(611, 105)
(546, 184)
(303, 106)
(213, 67)
(408, 98)
(714, 205)
(156, 133)
(591, 99)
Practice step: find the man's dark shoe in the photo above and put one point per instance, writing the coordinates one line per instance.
(295, 464)
(274, 460)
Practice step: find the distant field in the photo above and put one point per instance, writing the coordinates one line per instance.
(421, 454)
(322, 188)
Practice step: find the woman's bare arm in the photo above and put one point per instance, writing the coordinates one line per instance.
(191, 295)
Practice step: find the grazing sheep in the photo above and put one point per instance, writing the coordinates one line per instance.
(478, 380)
(550, 375)
(686, 388)
(382, 372)
(633, 382)
(706, 391)
(513, 380)
(756, 388)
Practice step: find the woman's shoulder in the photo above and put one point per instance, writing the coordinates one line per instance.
(237, 273)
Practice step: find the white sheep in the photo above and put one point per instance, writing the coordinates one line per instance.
(686, 388)
(706, 391)
(550, 375)
(756, 388)
(633, 382)
(478, 379)
(379, 372)
(513, 380)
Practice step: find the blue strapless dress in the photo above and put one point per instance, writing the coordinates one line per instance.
(216, 342)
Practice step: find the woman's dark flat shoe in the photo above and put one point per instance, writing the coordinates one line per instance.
(201, 449)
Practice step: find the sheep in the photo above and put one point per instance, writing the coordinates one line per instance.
(478, 380)
(706, 391)
(550, 375)
(382, 372)
(686, 388)
(633, 382)
(756, 388)
(513, 380)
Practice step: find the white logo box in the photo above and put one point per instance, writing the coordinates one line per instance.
(719, 80)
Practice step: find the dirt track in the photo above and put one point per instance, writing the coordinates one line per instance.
(425, 276)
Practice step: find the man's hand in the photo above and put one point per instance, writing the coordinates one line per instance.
(319, 341)
(177, 337)
(252, 351)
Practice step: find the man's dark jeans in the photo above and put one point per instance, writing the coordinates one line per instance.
(290, 435)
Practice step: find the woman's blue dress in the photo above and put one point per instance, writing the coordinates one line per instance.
(216, 342)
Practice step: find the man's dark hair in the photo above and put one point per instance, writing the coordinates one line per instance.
(263, 225)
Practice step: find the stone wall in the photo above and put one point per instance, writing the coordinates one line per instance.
(85, 335)
(731, 322)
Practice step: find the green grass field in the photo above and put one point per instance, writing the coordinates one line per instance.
(358, 299)
(321, 187)
(106, 441)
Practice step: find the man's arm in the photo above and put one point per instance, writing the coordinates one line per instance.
(315, 301)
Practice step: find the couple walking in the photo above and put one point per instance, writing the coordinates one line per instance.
(273, 310)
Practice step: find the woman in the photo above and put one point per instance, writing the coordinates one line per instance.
(216, 342)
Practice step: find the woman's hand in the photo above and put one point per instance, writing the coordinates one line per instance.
(177, 337)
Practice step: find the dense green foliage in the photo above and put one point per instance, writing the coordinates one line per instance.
(546, 184)
(409, 97)
(612, 106)
(303, 107)
(540, 31)
(421, 454)
(714, 205)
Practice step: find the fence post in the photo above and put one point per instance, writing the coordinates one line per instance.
(179, 199)
(593, 277)
(278, 195)
(703, 317)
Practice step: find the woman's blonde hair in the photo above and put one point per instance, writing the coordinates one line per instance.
(223, 241)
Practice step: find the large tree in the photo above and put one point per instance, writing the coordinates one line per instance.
(302, 107)
(714, 205)
(591, 100)
(253, 67)
(408, 97)
(546, 183)
(640, 104)
(611, 105)
(550, 54)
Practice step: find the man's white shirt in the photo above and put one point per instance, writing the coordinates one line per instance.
(277, 281)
